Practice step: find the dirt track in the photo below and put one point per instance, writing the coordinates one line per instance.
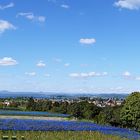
(33, 117)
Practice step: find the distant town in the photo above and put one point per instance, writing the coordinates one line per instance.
(99, 100)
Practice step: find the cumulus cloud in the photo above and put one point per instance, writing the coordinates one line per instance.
(130, 76)
(87, 75)
(87, 41)
(75, 75)
(65, 6)
(41, 18)
(128, 4)
(3, 7)
(32, 17)
(126, 74)
(30, 73)
(67, 64)
(138, 78)
(41, 64)
(5, 25)
(8, 61)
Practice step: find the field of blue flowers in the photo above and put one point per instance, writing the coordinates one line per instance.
(47, 125)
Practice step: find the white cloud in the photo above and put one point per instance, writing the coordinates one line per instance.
(30, 73)
(126, 74)
(75, 75)
(87, 41)
(41, 18)
(129, 76)
(10, 5)
(104, 73)
(67, 64)
(5, 25)
(32, 17)
(65, 6)
(8, 61)
(41, 64)
(117, 89)
(84, 65)
(58, 60)
(54, 1)
(47, 75)
(138, 78)
(89, 74)
(128, 4)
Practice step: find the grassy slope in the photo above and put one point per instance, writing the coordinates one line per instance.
(32, 135)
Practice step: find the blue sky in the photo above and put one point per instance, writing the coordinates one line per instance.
(89, 46)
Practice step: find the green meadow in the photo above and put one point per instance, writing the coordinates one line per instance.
(67, 135)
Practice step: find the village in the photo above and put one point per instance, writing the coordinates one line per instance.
(99, 102)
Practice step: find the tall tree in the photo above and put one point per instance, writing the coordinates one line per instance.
(31, 104)
(130, 113)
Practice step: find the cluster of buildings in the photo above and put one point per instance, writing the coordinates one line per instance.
(109, 102)
(6, 103)
(98, 102)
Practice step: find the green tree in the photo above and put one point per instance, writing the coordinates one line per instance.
(31, 104)
(75, 109)
(109, 115)
(90, 111)
(83, 110)
(130, 113)
(64, 107)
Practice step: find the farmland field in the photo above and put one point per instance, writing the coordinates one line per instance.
(53, 125)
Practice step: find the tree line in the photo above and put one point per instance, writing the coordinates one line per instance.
(127, 115)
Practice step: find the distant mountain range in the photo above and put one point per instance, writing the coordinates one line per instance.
(50, 95)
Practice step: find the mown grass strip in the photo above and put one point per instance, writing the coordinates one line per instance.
(56, 135)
